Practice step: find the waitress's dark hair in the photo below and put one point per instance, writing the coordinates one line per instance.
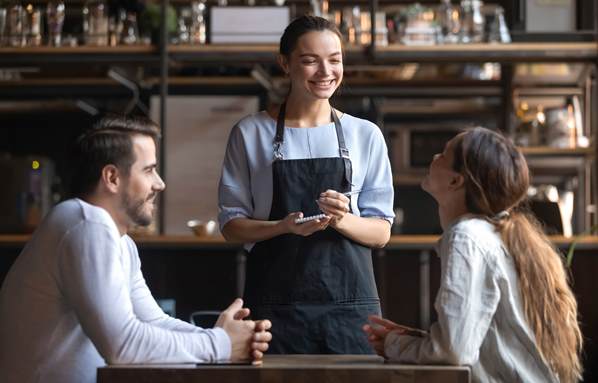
(302, 25)
(108, 141)
(496, 181)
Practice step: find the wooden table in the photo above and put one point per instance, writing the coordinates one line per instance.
(289, 369)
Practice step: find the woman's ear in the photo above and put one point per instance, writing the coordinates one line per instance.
(111, 178)
(284, 63)
(457, 181)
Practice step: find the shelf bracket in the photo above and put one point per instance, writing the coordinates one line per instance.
(275, 94)
(133, 87)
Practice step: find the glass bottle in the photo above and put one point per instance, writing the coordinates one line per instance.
(472, 22)
(3, 14)
(448, 18)
(130, 34)
(197, 31)
(499, 32)
(15, 25)
(97, 23)
(33, 26)
(55, 20)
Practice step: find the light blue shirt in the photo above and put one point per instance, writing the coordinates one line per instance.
(245, 188)
(481, 322)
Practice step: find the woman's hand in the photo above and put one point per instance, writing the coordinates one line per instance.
(380, 328)
(306, 228)
(334, 204)
(377, 334)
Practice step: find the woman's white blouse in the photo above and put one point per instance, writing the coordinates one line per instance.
(480, 316)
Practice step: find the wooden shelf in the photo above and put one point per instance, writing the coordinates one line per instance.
(523, 52)
(79, 54)
(260, 53)
(557, 152)
(245, 53)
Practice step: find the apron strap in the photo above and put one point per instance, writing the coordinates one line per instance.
(342, 147)
(279, 138)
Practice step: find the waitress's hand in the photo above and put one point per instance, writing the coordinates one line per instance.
(334, 204)
(306, 228)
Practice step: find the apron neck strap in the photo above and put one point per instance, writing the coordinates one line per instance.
(279, 138)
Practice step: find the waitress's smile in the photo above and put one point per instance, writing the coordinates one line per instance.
(324, 84)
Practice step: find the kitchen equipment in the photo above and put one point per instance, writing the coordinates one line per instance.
(414, 145)
(26, 195)
(248, 24)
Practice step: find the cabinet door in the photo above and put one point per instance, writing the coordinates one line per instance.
(197, 129)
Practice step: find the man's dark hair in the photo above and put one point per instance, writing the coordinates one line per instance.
(109, 141)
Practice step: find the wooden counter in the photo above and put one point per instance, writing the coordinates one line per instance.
(397, 242)
(290, 369)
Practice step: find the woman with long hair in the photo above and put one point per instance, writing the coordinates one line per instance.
(504, 304)
(312, 278)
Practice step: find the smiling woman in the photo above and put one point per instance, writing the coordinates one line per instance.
(313, 277)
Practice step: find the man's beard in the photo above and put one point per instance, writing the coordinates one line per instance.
(134, 210)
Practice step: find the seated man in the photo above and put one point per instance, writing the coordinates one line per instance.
(76, 299)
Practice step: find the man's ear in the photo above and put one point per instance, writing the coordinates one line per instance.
(284, 63)
(111, 178)
(457, 181)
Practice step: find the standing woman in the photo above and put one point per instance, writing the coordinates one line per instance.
(504, 305)
(314, 280)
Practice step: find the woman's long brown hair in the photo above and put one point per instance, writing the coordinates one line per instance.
(496, 180)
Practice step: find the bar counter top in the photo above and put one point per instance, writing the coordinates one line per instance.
(397, 242)
(290, 369)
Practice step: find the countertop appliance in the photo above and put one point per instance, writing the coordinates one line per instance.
(26, 195)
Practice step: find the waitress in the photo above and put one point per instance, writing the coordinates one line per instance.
(314, 280)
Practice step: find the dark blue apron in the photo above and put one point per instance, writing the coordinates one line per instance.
(316, 290)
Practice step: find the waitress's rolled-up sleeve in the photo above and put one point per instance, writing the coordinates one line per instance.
(377, 195)
(234, 189)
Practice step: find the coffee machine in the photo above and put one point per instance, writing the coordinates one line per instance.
(26, 195)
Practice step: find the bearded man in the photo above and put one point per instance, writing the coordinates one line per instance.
(75, 298)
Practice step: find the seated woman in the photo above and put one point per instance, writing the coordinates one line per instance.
(504, 305)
